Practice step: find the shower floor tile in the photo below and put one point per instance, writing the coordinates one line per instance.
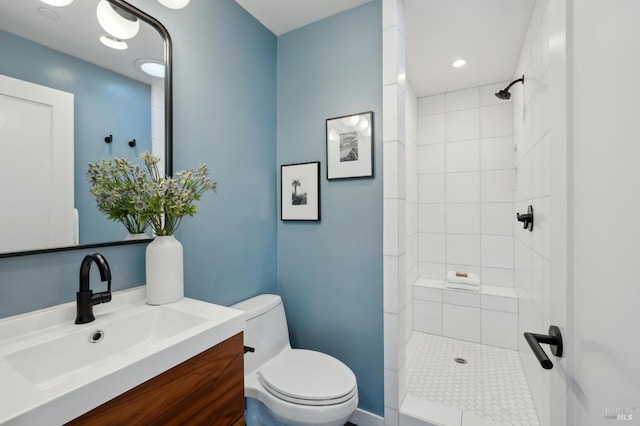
(491, 384)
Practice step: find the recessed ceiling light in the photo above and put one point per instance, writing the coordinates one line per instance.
(459, 63)
(58, 3)
(174, 4)
(116, 21)
(151, 67)
(113, 42)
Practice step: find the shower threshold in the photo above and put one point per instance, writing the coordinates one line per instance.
(453, 382)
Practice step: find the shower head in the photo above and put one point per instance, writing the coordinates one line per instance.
(504, 93)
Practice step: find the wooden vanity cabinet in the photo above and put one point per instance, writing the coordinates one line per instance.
(207, 389)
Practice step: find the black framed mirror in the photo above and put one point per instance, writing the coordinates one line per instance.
(105, 85)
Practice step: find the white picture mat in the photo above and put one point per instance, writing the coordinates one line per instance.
(308, 173)
(357, 168)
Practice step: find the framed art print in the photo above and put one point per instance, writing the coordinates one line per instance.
(350, 146)
(300, 191)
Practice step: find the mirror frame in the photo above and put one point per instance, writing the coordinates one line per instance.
(168, 127)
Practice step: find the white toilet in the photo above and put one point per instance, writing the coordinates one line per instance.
(298, 387)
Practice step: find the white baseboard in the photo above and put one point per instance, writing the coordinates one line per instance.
(365, 418)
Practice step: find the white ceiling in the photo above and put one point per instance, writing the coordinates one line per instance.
(487, 33)
(282, 16)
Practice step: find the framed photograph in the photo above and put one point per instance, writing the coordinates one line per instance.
(300, 191)
(350, 146)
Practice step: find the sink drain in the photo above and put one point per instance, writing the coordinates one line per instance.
(460, 360)
(96, 336)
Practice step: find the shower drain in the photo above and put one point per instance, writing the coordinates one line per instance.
(460, 360)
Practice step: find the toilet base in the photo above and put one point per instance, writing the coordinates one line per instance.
(258, 414)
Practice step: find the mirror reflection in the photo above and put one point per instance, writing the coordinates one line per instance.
(71, 93)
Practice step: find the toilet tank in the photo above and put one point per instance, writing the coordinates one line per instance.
(266, 329)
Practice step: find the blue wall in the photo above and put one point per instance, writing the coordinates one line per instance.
(330, 273)
(225, 116)
(104, 103)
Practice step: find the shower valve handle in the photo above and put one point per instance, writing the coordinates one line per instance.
(526, 218)
(553, 339)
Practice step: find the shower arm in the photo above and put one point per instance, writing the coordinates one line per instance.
(520, 80)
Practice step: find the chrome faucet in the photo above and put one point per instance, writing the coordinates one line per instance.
(85, 298)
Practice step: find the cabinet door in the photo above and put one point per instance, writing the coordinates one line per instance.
(207, 389)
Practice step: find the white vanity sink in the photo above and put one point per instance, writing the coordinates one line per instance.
(53, 370)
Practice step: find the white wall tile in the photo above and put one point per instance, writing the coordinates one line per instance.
(431, 270)
(497, 186)
(430, 294)
(497, 251)
(497, 218)
(463, 218)
(431, 129)
(499, 303)
(462, 99)
(390, 113)
(462, 125)
(463, 187)
(431, 105)
(496, 120)
(431, 158)
(461, 322)
(497, 153)
(431, 248)
(390, 51)
(390, 237)
(412, 254)
(431, 218)
(431, 188)
(427, 316)
(497, 276)
(499, 329)
(391, 417)
(412, 219)
(390, 284)
(463, 249)
(391, 331)
(461, 297)
(391, 388)
(391, 169)
(463, 156)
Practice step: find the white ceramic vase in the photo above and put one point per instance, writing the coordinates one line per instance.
(164, 271)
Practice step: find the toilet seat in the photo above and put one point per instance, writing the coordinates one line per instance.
(308, 377)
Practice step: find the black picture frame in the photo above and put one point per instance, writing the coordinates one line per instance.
(300, 192)
(349, 141)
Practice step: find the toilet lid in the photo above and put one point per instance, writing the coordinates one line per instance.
(308, 377)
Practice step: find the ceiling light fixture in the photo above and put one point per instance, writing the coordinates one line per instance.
(116, 21)
(57, 3)
(459, 63)
(113, 42)
(151, 67)
(174, 4)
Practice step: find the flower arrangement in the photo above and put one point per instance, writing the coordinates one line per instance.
(117, 187)
(138, 198)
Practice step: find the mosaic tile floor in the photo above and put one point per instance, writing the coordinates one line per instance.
(490, 384)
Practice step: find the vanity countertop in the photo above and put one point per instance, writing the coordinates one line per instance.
(52, 371)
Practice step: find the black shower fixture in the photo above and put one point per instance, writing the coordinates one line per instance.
(504, 93)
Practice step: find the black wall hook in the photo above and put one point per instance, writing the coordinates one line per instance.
(132, 143)
(527, 218)
(108, 139)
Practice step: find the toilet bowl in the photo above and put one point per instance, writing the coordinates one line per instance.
(297, 387)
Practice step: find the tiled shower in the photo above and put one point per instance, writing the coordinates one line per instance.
(473, 161)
